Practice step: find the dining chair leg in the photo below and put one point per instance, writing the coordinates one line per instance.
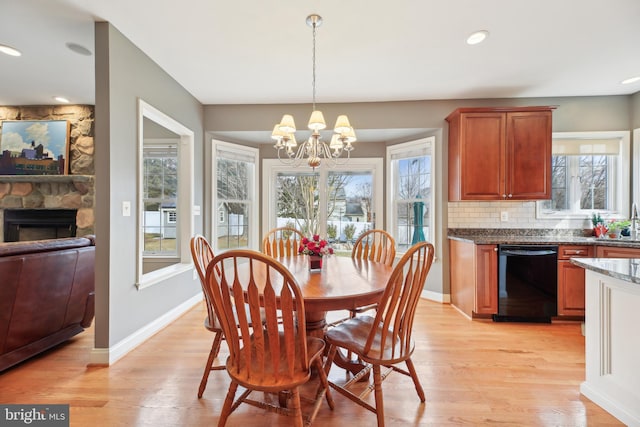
(416, 381)
(377, 382)
(324, 383)
(228, 401)
(296, 410)
(215, 348)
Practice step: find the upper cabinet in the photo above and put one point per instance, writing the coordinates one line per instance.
(500, 153)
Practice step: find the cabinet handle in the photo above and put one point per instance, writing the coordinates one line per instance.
(504, 196)
(510, 195)
(574, 252)
(495, 249)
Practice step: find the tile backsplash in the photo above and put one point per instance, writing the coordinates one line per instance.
(512, 214)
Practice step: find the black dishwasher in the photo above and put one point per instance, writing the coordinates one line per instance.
(527, 283)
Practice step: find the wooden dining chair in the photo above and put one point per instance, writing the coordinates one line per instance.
(385, 339)
(202, 254)
(374, 245)
(277, 357)
(281, 241)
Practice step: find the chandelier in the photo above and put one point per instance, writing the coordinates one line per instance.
(314, 149)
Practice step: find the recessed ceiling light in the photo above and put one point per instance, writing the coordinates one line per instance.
(477, 37)
(75, 47)
(631, 80)
(9, 50)
(61, 99)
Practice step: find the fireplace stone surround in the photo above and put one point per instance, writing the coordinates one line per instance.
(74, 191)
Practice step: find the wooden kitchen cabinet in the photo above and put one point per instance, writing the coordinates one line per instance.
(486, 297)
(473, 271)
(617, 252)
(571, 292)
(500, 153)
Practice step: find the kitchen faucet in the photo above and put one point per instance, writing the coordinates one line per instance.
(634, 222)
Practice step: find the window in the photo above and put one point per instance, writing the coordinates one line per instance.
(164, 197)
(339, 202)
(235, 181)
(160, 197)
(590, 173)
(410, 183)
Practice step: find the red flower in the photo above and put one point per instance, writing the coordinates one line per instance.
(314, 246)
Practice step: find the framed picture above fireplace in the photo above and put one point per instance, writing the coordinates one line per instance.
(34, 147)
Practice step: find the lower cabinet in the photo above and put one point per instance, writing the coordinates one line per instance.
(474, 276)
(571, 280)
(486, 296)
(473, 272)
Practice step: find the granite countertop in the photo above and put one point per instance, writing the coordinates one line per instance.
(623, 269)
(536, 237)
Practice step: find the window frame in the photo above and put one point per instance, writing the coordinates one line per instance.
(251, 153)
(410, 149)
(622, 178)
(184, 207)
(272, 167)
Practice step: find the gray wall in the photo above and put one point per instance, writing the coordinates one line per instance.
(635, 110)
(572, 114)
(124, 74)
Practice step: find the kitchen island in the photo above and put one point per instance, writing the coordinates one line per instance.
(612, 350)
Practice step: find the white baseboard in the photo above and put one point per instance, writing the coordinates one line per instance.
(108, 356)
(436, 296)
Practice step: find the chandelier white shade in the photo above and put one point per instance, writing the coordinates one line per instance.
(313, 150)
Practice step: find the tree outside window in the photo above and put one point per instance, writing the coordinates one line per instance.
(337, 203)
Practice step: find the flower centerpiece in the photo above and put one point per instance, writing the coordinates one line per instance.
(316, 248)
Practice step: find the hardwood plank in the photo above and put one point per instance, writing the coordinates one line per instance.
(473, 373)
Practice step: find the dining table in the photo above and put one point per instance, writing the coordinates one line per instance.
(343, 283)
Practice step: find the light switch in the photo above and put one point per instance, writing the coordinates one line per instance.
(126, 208)
(196, 210)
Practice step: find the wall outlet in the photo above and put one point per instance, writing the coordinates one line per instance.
(504, 216)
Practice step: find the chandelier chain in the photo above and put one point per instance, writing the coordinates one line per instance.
(313, 56)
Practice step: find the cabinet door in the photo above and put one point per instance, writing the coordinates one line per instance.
(482, 145)
(570, 289)
(528, 155)
(486, 301)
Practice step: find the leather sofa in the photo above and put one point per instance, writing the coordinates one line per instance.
(46, 294)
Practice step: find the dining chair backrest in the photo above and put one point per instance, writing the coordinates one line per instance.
(202, 254)
(274, 298)
(375, 245)
(397, 307)
(282, 241)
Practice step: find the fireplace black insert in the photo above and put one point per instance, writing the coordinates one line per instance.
(38, 224)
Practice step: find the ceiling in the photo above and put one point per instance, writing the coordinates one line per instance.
(259, 52)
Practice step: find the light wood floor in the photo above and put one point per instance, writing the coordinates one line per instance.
(473, 373)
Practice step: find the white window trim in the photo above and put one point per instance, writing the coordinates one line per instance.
(272, 167)
(392, 178)
(623, 179)
(636, 166)
(253, 153)
(184, 209)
